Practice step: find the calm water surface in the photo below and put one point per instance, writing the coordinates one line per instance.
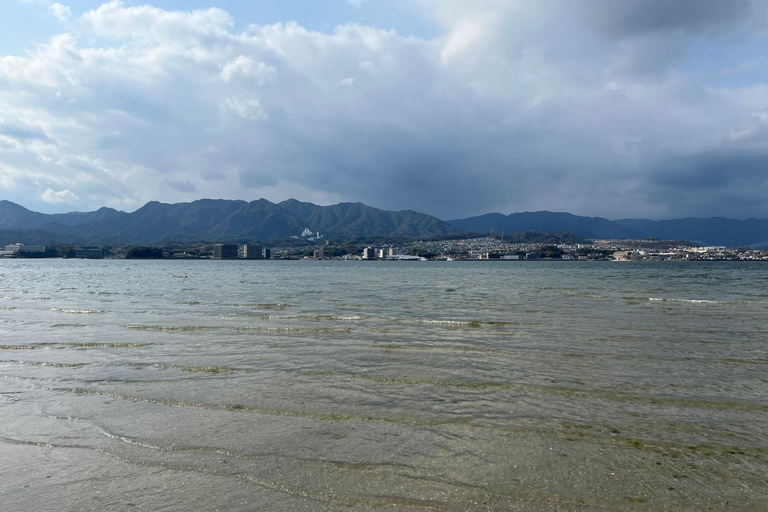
(267, 385)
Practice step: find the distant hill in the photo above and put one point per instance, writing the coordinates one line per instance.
(711, 231)
(215, 220)
(546, 222)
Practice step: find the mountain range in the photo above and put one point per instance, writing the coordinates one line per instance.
(215, 220)
(220, 220)
(712, 231)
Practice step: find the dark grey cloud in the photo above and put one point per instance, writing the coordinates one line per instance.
(631, 17)
(181, 186)
(712, 183)
(23, 131)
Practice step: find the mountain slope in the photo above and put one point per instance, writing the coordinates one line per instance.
(545, 222)
(219, 220)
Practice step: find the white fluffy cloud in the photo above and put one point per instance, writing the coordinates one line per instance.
(62, 196)
(61, 11)
(515, 105)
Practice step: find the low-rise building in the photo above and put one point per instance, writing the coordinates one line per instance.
(14, 248)
(91, 253)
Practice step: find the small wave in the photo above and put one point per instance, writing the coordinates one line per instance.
(107, 345)
(80, 311)
(271, 306)
(709, 301)
(43, 363)
(308, 318)
(191, 328)
(689, 301)
(24, 347)
(204, 369)
(585, 295)
(390, 348)
(7, 307)
(451, 323)
(403, 380)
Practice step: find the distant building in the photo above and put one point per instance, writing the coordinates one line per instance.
(319, 253)
(369, 253)
(91, 253)
(14, 248)
(225, 251)
(253, 252)
(265, 253)
(310, 235)
(499, 256)
(381, 253)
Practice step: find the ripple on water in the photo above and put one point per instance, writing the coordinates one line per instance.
(80, 311)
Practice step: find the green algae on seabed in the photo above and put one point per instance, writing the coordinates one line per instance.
(25, 347)
(276, 412)
(618, 396)
(195, 328)
(440, 349)
(402, 380)
(184, 368)
(43, 363)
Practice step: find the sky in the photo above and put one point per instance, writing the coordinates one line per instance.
(631, 108)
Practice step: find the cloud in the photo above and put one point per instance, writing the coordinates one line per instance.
(61, 11)
(247, 108)
(63, 196)
(181, 185)
(248, 68)
(616, 110)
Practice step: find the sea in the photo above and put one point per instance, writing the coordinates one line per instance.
(383, 386)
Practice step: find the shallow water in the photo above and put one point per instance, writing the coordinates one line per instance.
(250, 385)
